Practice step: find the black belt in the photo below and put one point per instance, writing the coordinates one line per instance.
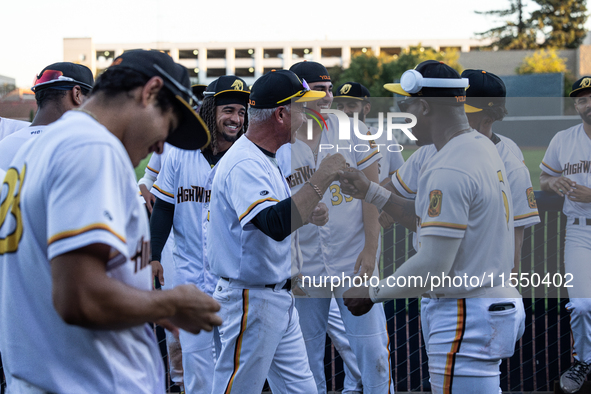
(286, 286)
(587, 221)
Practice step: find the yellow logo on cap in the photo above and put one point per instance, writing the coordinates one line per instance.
(345, 89)
(238, 85)
(585, 83)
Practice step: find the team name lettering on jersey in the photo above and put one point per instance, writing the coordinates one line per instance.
(300, 175)
(583, 167)
(195, 194)
(142, 255)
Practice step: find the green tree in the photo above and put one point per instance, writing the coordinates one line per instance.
(542, 61)
(562, 22)
(517, 32)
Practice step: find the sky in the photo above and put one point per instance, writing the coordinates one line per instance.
(32, 31)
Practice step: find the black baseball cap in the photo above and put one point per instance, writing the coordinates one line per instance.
(64, 75)
(311, 71)
(192, 133)
(582, 84)
(228, 89)
(486, 90)
(198, 90)
(278, 87)
(431, 79)
(352, 90)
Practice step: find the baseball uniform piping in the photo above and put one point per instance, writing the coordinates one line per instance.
(403, 184)
(526, 215)
(73, 233)
(163, 192)
(239, 340)
(254, 204)
(455, 347)
(367, 158)
(153, 170)
(550, 168)
(445, 225)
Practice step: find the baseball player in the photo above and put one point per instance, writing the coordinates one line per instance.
(464, 222)
(58, 88)
(74, 244)
(485, 104)
(182, 192)
(9, 126)
(565, 171)
(347, 245)
(253, 211)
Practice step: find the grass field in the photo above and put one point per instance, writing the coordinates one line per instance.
(533, 158)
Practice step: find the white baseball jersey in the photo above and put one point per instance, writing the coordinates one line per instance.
(333, 248)
(391, 154)
(509, 143)
(525, 210)
(9, 126)
(12, 143)
(568, 155)
(246, 182)
(185, 181)
(71, 187)
(463, 192)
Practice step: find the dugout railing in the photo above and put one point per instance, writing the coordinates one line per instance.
(541, 354)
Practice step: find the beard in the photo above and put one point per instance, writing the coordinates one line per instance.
(585, 116)
(230, 138)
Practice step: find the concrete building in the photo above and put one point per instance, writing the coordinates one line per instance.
(250, 60)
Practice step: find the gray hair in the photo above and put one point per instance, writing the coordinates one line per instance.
(260, 115)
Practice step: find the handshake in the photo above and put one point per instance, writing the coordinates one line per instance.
(354, 183)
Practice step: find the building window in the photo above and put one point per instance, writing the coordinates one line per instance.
(303, 53)
(188, 53)
(215, 72)
(244, 72)
(331, 52)
(216, 53)
(273, 53)
(390, 51)
(102, 56)
(244, 53)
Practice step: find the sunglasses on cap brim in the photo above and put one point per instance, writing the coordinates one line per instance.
(193, 101)
(53, 76)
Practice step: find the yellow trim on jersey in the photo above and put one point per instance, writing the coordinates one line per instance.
(453, 226)
(526, 215)
(90, 227)
(254, 204)
(403, 184)
(556, 171)
(153, 170)
(450, 362)
(239, 340)
(163, 192)
(367, 158)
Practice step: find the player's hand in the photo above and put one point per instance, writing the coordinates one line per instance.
(157, 271)
(561, 185)
(331, 165)
(149, 198)
(195, 310)
(386, 220)
(297, 287)
(579, 194)
(366, 262)
(357, 300)
(319, 215)
(354, 183)
(167, 324)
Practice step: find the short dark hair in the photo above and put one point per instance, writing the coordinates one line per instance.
(43, 96)
(120, 80)
(496, 113)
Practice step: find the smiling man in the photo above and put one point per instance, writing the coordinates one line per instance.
(75, 245)
(182, 192)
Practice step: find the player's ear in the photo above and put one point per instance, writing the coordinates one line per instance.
(366, 108)
(150, 90)
(425, 107)
(77, 96)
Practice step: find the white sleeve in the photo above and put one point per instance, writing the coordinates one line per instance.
(154, 165)
(525, 210)
(76, 183)
(250, 189)
(364, 158)
(406, 178)
(550, 163)
(164, 187)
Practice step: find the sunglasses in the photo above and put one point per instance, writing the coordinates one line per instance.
(52, 76)
(193, 101)
(407, 102)
(298, 94)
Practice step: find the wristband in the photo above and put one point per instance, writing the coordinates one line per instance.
(316, 189)
(377, 195)
(373, 295)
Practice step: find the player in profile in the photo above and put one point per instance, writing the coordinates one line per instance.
(347, 245)
(465, 226)
(254, 213)
(75, 245)
(565, 171)
(182, 192)
(58, 88)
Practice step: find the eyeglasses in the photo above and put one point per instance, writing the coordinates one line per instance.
(52, 76)
(407, 102)
(298, 94)
(192, 99)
